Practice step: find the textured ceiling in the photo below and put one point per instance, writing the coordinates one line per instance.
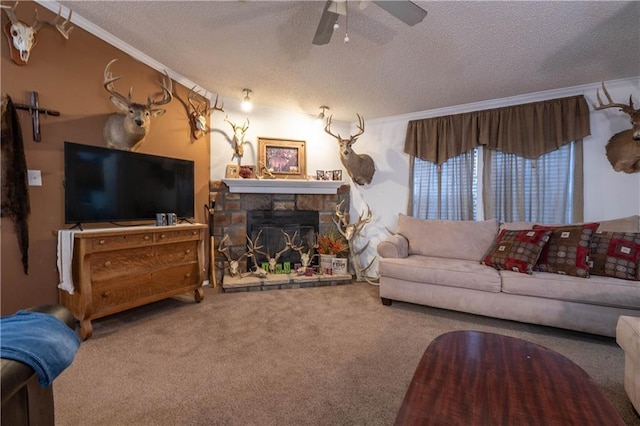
(462, 52)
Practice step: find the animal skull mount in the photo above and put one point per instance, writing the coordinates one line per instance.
(623, 148)
(238, 138)
(22, 38)
(198, 111)
(127, 130)
(360, 167)
(234, 264)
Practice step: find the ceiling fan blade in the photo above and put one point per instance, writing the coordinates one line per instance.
(325, 26)
(406, 11)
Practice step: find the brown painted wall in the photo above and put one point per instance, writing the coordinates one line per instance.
(67, 74)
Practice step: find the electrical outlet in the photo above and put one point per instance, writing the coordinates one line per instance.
(34, 177)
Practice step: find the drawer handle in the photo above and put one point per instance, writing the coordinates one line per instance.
(187, 275)
(106, 294)
(194, 232)
(103, 242)
(146, 237)
(162, 236)
(187, 251)
(107, 263)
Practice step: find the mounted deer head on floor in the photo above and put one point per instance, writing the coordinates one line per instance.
(127, 130)
(198, 111)
(359, 166)
(623, 149)
(22, 38)
(234, 264)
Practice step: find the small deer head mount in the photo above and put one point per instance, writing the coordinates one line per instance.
(238, 138)
(127, 130)
(198, 111)
(22, 38)
(623, 149)
(359, 166)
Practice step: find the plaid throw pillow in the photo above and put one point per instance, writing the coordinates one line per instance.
(616, 254)
(567, 251)
(517, 250)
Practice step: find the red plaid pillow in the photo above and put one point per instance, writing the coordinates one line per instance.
(567, 251)
(616, 254)
(517, 250)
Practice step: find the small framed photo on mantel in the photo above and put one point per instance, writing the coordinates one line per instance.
(285, 158)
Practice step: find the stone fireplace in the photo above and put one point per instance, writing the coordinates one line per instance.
(236, 212)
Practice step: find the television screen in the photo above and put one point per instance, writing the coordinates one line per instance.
(109, 185)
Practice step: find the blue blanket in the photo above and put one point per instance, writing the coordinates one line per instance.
(39, 340)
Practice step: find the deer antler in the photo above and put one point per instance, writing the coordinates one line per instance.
(352, 138)
(109, 79)
(629, 109)
(167, 93)
(254, 247)
(60, 26)
(223, 248)
(286, 246)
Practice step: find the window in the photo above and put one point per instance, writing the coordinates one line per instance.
(513, 188)
(520, 189)
(449, 191)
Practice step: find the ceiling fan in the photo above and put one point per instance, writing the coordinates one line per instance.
(406, 11)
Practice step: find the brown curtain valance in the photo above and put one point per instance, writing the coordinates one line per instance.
(528, 130)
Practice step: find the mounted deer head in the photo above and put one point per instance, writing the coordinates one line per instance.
(359, 166)
(197, 112)
(623, 149)
(128, 129)
(22, 38)
(238, 138)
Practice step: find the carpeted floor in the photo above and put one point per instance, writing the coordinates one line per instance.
(316, 356)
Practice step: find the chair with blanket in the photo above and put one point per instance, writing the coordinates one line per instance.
(27, 392)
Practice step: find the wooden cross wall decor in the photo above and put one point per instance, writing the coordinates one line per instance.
(35, 110)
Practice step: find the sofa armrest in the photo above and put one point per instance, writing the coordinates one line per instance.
(396, 246)
(15, 374)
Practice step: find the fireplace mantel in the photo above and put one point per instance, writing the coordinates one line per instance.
(283, 186)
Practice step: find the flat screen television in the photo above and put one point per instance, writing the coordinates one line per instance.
(109, 185)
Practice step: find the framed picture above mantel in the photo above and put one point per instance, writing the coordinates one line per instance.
(285, 158)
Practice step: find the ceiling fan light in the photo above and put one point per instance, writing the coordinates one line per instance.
(336, 26)
(346, 38)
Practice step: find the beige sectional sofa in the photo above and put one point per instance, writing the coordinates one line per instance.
(439, 263)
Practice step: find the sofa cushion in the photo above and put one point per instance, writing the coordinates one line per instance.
(567, 251)
(455, 239)
(604, 291)
(441, 271)
(616, 254)
(623, 224)
(517, 250)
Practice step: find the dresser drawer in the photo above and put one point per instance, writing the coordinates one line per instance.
(110, 264)
(176, 235)
(136, 290)
(115, 242)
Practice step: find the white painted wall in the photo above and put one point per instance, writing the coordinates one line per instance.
(608, 194)
(268, 122)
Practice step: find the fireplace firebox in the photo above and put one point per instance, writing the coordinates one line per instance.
(270, 225)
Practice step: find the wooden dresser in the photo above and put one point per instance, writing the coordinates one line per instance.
(117, 269)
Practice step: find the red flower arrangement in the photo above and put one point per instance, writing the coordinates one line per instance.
(332, 243)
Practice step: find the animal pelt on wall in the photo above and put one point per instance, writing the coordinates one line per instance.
(15, 190)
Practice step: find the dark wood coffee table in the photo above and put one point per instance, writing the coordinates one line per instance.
(475, 378)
